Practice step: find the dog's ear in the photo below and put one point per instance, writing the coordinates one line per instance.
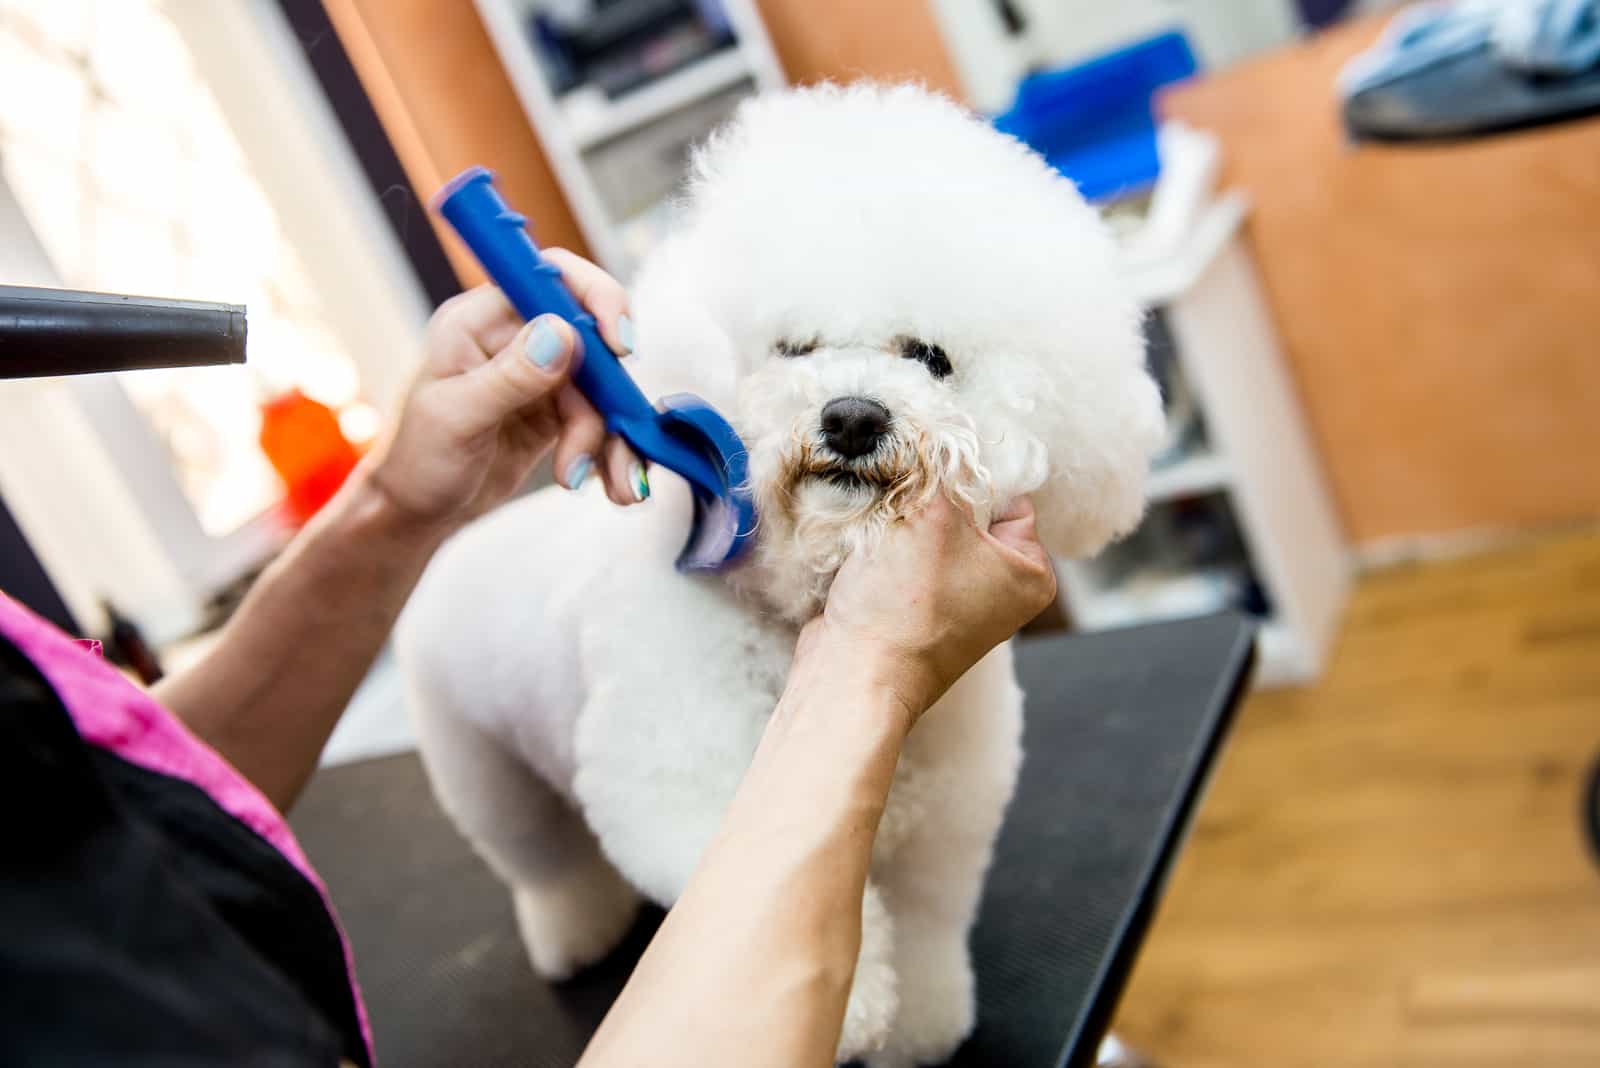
(1081, 448)
(1095, 489)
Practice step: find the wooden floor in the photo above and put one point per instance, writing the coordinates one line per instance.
(1388, 869)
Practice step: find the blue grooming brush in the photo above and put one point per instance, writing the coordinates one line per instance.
(686, 435)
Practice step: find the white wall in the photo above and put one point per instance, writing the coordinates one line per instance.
(988, 61)
(1067, 31)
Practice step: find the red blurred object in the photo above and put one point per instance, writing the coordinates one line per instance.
(302, 440)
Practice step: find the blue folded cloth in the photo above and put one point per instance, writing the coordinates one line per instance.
(1551, 38)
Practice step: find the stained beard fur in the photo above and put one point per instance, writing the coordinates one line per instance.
(802, 546)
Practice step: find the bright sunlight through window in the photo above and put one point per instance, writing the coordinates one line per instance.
(133, 182)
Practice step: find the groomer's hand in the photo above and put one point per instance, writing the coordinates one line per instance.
(931, 599)
(494, 395)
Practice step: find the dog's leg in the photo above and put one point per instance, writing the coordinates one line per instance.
(955, 780)
(937, 1006)
(672, 718)
(675, 702)
(874, 995)
(571, 905)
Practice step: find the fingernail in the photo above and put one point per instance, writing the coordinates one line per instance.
(544, 345)
(639, 480)
(577, 471)
(625, 334)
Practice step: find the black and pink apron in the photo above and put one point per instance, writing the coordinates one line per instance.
(154, 906)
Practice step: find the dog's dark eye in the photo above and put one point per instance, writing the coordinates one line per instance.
(926, 353)
(787, 348)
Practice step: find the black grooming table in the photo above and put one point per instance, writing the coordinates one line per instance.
(1122, 728)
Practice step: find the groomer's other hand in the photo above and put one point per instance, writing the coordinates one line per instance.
(932, 598)
(494, 395)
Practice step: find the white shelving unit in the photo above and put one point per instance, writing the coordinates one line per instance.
(619, 160)
(1248, 469)
(602, 120)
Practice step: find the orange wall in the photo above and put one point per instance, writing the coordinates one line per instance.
(844, 40)
(1439, 304)
(438, 86)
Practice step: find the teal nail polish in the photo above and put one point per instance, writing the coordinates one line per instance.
(578, 471)
(544, 345)
(625, 333)
(640, 481)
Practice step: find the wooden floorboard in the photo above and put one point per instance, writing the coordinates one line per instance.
(1388, 870)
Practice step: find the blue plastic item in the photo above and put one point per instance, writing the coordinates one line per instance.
(1094, 122)
(686, 435)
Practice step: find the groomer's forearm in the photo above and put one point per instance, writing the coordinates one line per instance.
(753, 965)
(268, 694)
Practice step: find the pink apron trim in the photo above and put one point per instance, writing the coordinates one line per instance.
(112, 713)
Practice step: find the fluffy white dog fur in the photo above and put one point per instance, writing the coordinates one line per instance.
(586, 712)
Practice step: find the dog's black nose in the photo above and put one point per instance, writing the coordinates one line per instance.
(852, 425)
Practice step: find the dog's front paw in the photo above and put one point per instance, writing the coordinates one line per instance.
(574, 919)
(938, 1007)
(874, 998)
(870, 1012)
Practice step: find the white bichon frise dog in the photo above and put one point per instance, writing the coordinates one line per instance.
(889, 300)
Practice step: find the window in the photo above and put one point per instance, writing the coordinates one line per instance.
(131, 178)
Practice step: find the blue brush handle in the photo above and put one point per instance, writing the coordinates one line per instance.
(499, 238)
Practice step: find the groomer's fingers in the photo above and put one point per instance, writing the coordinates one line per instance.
(627, 478)
(468, 329)
(1016, 508)
(1015, 526)
(529, 369)
(582, 435)
(1015, 532)
(603, 295)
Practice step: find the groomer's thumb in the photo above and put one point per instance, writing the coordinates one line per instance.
(531, 367)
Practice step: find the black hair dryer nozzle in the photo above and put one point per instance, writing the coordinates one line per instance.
(45, 332)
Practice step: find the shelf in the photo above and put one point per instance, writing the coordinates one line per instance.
(1160, 281)
(592, 119)
(1181, 562)
(1281, 658)
(1148, 599)
(1200, 473)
